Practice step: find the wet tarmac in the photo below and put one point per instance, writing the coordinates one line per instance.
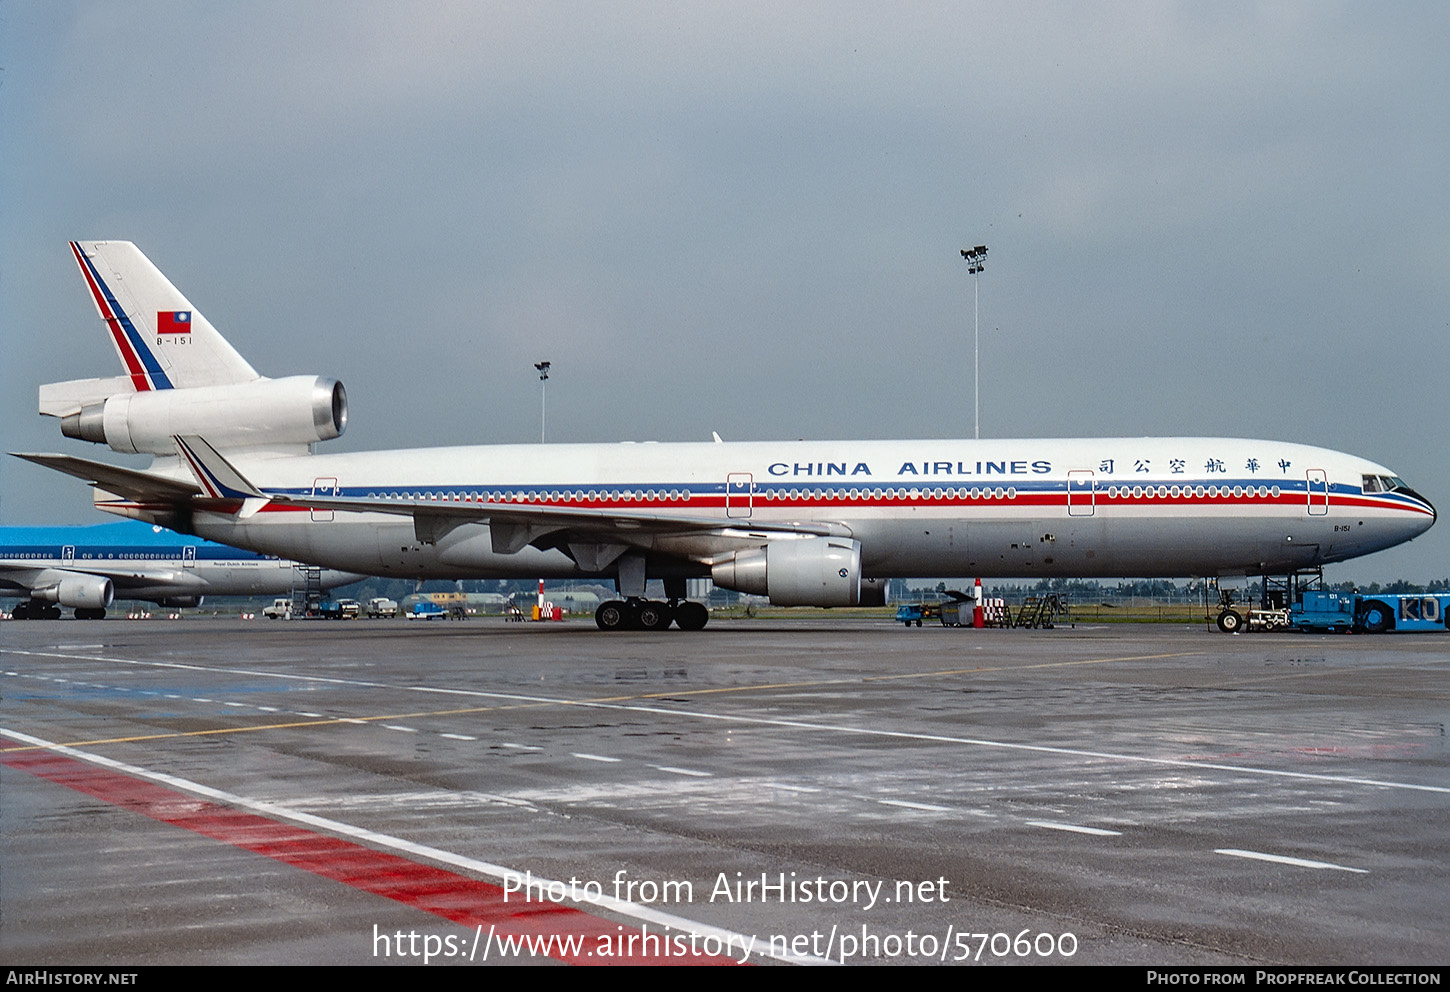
(213, 791)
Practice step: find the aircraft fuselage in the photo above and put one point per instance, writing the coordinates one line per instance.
(1050, 508)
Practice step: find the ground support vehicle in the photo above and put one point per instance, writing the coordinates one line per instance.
(1344, 612)
(959, 611)
(909, 613)
(1337, 611)
(381, 606)
(1233, 618)
(342, 609)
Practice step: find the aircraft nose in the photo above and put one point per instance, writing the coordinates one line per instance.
(1421, 522)
(1428, 505)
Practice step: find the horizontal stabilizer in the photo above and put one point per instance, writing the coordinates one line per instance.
(139, 486)
(61, 399)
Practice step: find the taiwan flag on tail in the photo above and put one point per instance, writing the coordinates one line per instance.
(173, 322)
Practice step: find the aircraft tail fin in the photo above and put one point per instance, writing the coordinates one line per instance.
(162, 340)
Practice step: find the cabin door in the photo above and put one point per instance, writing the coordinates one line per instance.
(1081, 493)
(1318, 492)
(739, 494)
(323, 487)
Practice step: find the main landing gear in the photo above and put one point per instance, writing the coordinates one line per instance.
(648, 614)
(37, 610)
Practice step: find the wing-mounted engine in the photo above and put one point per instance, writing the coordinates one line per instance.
(180, 601)
(87, 592)
(815, 571)
(874, 592)
(263, 413)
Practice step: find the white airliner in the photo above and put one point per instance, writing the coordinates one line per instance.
(823, 523)
(86, 568)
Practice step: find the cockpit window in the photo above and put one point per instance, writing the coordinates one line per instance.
(1382, 483)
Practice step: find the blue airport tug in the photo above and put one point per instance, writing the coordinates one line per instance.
(1342, 611)
(909, 613)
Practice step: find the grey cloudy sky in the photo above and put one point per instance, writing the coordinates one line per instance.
(1203, 218)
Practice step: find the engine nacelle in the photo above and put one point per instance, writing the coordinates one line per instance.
(811, 571)
(873, 592)
(179, 601)
(297, 410)
(88, 592)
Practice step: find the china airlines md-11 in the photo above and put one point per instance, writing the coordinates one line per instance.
(823, 523)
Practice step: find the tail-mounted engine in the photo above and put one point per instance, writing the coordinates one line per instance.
(297, 410)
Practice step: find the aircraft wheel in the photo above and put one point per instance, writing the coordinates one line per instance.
(1377, 617)
(691, 616)
(654, 616)
(1230, 622)
(612, 615)
(21, 612)
(91, 614)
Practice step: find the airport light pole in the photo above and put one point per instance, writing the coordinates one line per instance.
(976, 262)
(543, 368)
(976, 259)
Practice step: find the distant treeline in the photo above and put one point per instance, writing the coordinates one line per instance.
(1092, 590)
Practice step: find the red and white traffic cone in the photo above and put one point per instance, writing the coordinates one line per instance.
(978, 620)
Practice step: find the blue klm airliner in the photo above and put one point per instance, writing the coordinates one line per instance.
(86, 568)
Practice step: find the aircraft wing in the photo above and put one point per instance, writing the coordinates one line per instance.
(122, 575)
(512, 527)
(18, 579)
(510, 524)
(140, 486)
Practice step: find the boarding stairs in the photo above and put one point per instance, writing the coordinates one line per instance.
(1041, 612)
(306, 590)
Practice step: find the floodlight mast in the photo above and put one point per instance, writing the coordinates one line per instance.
(543, 368)
(976, 262)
